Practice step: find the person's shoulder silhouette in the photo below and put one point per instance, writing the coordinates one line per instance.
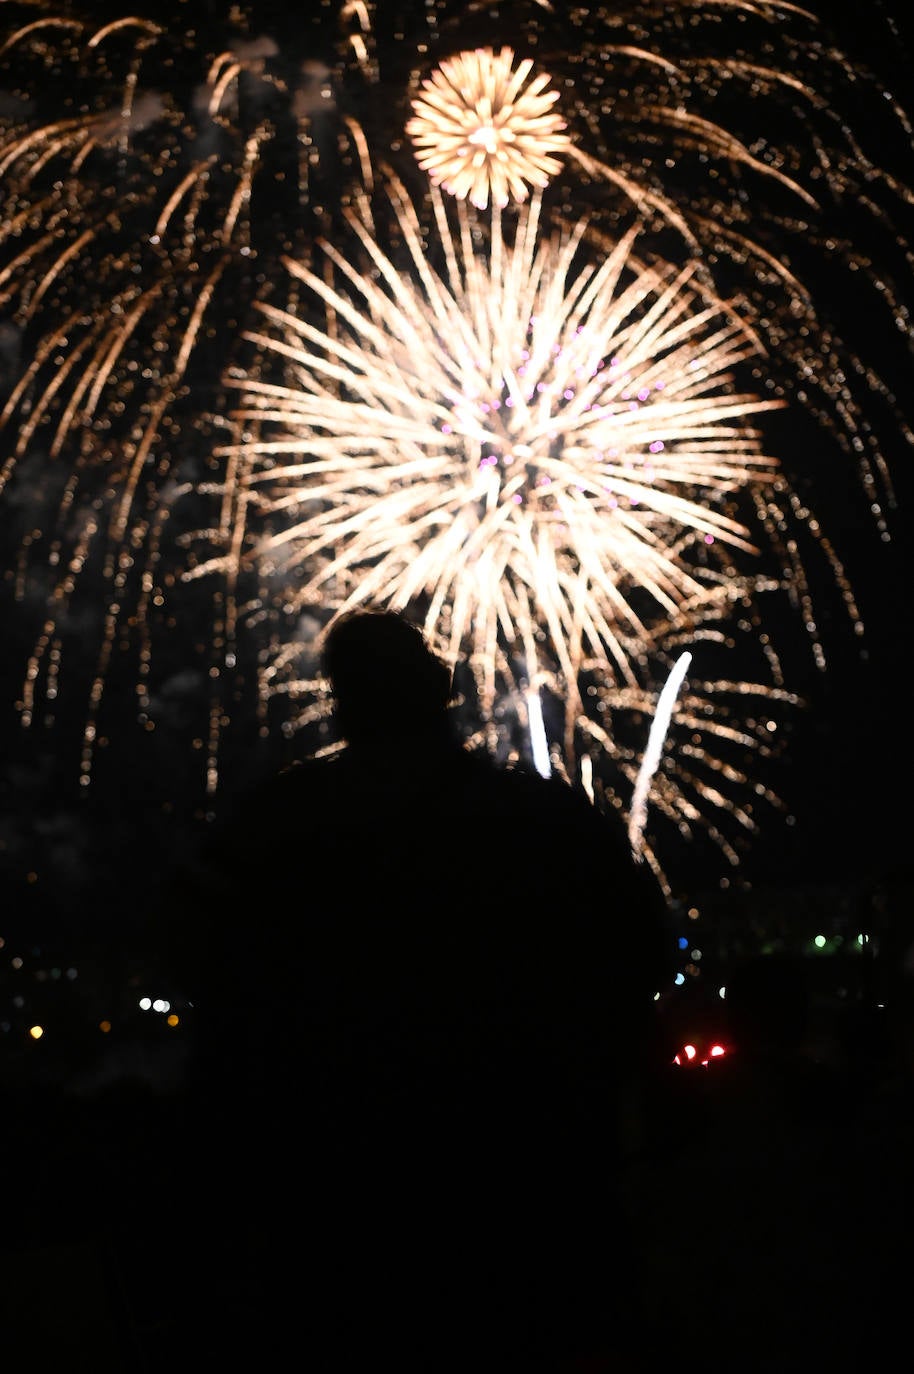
(407, 794)
(404, 824)
(431, 973)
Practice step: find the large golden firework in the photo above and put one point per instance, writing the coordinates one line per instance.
(532, 440)
(538, 450)
(153, 179)
(484, 132)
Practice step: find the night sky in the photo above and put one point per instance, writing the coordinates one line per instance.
(78, 863)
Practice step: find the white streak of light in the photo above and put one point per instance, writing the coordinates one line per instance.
(538, 733)
(656, 736)
(587, 776)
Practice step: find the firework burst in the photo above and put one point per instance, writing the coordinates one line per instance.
(526, 439)
(482, 133)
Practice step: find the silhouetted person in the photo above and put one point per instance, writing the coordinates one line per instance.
(424, 990)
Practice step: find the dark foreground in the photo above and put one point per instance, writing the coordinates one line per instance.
(768, 1196)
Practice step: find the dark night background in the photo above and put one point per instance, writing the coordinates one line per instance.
(80, 864)
(772, 1205)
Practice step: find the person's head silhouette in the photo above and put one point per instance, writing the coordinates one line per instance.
(386, 683)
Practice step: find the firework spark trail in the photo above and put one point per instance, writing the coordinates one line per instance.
(539, 740)
(651, 760)
(130, 284)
